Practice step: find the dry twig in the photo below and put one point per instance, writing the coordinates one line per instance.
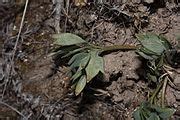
(14, 109)
(15, 47)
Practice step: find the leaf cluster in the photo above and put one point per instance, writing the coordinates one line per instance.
(153, 49)
(85, 62)
(152, 46)
(147, 111)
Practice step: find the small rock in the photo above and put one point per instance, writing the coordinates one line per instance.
(115, 88)
(148, 1)
(128, 97)
(176, 78)
(177, 95)
(137, 1)
(117, 98)
(170, 97)
(142, 8)
(129, 83)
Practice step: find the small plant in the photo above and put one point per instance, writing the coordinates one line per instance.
(147, 111)
(86, 62)
(155, 49)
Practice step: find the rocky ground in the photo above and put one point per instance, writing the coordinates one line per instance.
(34, 83)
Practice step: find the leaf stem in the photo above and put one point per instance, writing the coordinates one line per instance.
(119, 47)
(115, 47)
(163, 91)
(155, 93)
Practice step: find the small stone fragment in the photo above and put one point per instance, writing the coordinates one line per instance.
(149, 1)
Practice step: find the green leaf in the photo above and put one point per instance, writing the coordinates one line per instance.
(85, 61)
(147, 51)
(144, 55)
(52, 54)
(147, 111)
(75, 60)
(143, 112)
(63, 50)
(73, 52)
(137, 115)
(152, 42)
(76, 75)
(160, 61)
(73, 86)
(95, 65)
(165, 42)
(152, 77)
(164, 113)
(80, 85)
(79, 60)
(153, 116)
(65, 39)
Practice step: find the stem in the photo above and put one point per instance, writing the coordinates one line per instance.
(155, 93)
(115, 47)
(119, 47)
(163, 91)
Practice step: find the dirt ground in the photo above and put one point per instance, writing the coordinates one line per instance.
(39, 87)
